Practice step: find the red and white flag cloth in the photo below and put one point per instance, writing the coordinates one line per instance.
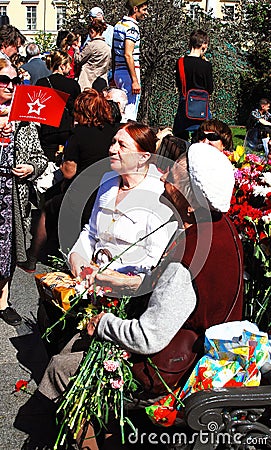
(38, 104)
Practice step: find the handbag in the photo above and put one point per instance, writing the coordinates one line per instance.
(196, 100)
(197, 104)
(48, 178)
(172, 362)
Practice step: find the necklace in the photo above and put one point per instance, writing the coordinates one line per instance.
(115, 216)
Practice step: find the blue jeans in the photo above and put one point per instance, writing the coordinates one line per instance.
(123, 81)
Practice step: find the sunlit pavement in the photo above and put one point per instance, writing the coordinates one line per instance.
(22, 356)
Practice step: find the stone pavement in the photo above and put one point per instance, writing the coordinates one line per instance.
(22, 356)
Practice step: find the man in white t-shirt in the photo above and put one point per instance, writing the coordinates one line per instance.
(126, 51)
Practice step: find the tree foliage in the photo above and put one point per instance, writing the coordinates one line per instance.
(239, 51)
(165, 37)
(256, 37)
(45, 41)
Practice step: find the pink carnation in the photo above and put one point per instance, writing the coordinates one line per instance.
(238, 175)
(111, 366)
(253, 158)
(116, 384)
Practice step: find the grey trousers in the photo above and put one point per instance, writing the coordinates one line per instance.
(59, 370)
(64, 365)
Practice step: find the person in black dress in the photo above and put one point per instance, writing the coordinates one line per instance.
(88, 143)
(52, 137)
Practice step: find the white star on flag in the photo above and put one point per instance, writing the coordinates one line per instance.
(29, 102)
(35, 107)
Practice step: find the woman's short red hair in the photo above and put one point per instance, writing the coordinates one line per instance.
(144, 137)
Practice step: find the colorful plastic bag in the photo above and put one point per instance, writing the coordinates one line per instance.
(235, 352)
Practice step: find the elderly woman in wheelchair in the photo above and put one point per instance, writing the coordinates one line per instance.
(197, 284)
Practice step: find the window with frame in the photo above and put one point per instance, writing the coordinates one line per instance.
(31, 17)
(229, 12)
(3, 10)
(60, 17)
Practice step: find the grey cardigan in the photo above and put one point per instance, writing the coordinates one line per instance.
(170, 305)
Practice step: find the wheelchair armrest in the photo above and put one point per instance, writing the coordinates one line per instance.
(210, 405)
(238, 416)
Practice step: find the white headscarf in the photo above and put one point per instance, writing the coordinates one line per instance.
(211, 175)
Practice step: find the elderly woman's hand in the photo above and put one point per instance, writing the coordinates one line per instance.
(120, 283)
(91, 326)
(88, 274)
(23, 170)
(77, 262)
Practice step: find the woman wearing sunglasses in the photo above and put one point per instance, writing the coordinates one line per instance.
(215, 133)
(21, 160)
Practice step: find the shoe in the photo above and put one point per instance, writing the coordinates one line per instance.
(10, 316)
(28, 265)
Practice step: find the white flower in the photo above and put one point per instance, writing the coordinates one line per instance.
(261, 190)
(266, 177)
(267, 218)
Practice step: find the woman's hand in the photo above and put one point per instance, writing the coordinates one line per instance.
(88, 274)
(76, 263)
(91, 326)
(120, 283)
(23, 170)
(68, 168)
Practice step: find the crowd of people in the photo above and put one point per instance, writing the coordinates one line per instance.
(189, 238)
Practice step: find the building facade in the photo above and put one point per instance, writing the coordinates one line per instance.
(33, 16)
(218, 8)
(48, 16)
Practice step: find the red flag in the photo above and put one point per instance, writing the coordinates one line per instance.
(38, 104)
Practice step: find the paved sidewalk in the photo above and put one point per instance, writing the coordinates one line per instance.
(22, 355)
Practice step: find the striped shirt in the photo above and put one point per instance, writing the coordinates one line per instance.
(258, 115)
(126, 28)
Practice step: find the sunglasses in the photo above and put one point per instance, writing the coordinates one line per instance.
(210, 136)
(5, 80)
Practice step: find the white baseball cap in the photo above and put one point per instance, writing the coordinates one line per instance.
(96, 11)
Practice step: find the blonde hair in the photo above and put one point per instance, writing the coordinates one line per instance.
(59, 58)
(68, 41)
(4, 63)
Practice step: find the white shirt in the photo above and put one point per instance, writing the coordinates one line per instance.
(115, 228)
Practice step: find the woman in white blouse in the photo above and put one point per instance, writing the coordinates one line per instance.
(127, 208)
